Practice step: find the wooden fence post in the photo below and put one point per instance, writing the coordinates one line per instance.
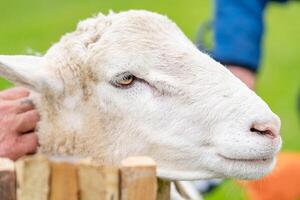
(64, 185)
(38, 178)
(7, 180)
(98, 182)
(138, 179)
(33, 178)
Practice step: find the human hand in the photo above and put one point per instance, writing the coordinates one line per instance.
(18, 119)
(245, 75)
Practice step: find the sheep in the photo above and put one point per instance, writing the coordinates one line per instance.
(131, 83)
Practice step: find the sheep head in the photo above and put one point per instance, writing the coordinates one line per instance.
(132, 84)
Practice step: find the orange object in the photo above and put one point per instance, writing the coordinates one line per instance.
(282, 184)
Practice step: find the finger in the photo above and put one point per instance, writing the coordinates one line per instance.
(14, 93)
(27, 121)
(27, 143)
(24, 105)
(16, 106)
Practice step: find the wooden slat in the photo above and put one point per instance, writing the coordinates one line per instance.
(64, 184)
(138, 179)
(7, 180)
(98, 182)
(33, 178)
(163, 190)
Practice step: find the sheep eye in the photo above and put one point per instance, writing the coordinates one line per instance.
(125, 79)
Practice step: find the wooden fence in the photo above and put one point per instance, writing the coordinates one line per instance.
(40, 178)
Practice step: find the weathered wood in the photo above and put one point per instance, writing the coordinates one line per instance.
(33, 178)
(163, 190)
(7, 180)
(98, 182)
(138, 179)
(81, 180)
(64, 184)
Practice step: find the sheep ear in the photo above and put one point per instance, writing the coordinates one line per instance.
(28, 71)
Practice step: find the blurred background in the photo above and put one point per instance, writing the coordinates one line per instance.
(32, 26)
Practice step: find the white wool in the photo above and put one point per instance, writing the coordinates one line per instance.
(185, 110)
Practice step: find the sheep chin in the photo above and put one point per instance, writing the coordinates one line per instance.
(179, 175)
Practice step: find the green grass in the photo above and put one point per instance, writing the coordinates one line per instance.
(279, 81)
(33, 25)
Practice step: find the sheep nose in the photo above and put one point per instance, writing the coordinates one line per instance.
(269, 129)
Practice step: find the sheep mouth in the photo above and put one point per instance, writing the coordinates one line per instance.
(258, 160)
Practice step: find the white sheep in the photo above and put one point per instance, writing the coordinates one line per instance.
(131, 84)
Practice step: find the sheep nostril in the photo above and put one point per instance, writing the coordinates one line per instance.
(263, 130)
